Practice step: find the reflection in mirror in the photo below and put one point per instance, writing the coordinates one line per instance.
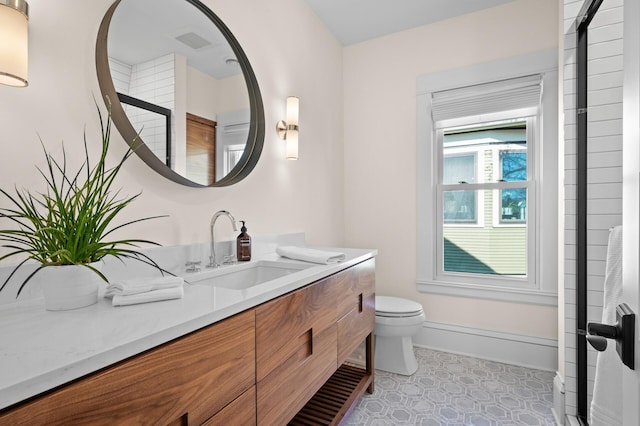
(141, 111)
(168, 56)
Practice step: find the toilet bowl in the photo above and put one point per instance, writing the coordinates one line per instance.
(397, 320)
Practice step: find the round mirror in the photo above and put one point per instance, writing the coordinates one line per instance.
(179, 82)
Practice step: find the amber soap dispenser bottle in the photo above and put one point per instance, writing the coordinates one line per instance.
(243, 244)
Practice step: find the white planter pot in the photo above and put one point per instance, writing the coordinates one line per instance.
(69, 287)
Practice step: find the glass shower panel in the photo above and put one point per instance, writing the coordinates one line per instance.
(604, 154)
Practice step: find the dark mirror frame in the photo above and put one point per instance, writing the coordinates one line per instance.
(255, 140)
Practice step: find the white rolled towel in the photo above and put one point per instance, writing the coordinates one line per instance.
(143, 285)
(149, 296)
(606, 404)
(310, 255)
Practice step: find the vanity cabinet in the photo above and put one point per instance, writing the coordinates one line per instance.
(280, 362)
(241, 411)
(296, 349)
(355, 313)
(191, 380)
(302, 341)
(356, 307)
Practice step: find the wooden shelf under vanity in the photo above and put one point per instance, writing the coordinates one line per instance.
(336, 398)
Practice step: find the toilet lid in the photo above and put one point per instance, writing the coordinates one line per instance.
(388, 306)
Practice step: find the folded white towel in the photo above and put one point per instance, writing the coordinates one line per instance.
(149, 296)
(310, 255)
(142, 285)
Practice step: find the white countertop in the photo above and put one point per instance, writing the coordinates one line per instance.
(40, 350)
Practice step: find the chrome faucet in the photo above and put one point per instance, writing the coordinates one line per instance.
(212, 257)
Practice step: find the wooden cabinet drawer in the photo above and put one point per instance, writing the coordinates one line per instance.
(282, 393)
(355, 326)
(185, 381)
(240, 412)
(285, 324)
(354, 283)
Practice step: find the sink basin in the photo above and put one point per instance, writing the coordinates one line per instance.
(243, 276)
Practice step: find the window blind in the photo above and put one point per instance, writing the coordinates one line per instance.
(497, 96)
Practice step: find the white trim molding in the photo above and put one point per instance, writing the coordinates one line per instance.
(506, 294)
(558, 399)
(517, 349)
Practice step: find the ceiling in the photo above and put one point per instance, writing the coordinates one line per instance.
(158, 26)
(353, 21)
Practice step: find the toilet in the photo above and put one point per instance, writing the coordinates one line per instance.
(397, 320)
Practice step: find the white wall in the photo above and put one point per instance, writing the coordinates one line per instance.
(278, 197)
(207, 97)
(380, 147)
(233, 94)
(202, 94)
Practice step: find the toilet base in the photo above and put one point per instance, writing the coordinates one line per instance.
(395, 355)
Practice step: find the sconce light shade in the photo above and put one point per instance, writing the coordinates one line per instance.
(14, 17)
(292, 145)
(293, 108)
(288, 130)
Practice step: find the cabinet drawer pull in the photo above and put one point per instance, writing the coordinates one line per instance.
(360, 302)
(305, 344)
(181, 421)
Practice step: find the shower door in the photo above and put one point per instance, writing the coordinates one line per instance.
(599, 95)
(607, 183)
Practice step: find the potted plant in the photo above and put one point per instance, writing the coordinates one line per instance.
(66, 228)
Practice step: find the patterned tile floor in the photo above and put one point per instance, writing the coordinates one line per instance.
(451, 389)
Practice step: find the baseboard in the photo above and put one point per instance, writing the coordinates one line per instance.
(526, 351)
(571, 421)
(558, 399)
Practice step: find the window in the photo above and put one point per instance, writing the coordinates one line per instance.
(500, 188)
(513, 202)
(460, 206)
(480, 197)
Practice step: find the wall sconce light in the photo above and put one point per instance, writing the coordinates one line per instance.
(288, 130)
(14, 18)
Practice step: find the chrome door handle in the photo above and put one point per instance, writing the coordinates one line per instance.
(623, 332)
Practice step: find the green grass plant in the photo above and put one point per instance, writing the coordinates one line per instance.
(71, 221)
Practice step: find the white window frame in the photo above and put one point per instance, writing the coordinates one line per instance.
(542, 288)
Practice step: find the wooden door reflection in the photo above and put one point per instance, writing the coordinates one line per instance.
(201, 149)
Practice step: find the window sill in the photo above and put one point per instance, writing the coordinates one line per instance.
(504, 294)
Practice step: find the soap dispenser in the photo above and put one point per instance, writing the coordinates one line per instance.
(243, 244)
